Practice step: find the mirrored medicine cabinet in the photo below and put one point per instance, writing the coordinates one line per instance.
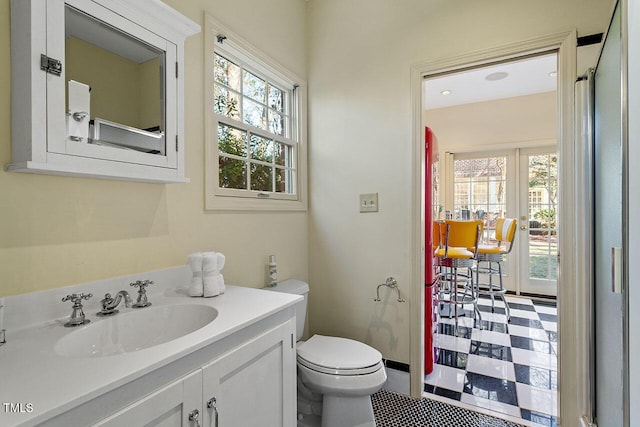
(97, 88)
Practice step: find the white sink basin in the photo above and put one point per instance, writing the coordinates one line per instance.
(135, 330)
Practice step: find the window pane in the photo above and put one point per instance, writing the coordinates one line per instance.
(254, 114)
(254, 87)
(261, 148)
(261, 177)
(232, 173)
(276, 99)
(231, 140)
(226, 72)
(283, 154)
(284, 181)
(226, 102)
(276, 123)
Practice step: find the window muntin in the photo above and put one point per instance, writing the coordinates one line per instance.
(480, 188)
(255, 136)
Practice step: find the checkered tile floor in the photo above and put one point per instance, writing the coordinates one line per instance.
(509, 368)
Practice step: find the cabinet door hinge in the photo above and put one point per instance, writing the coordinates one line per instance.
(176, 143)
(50, 65)
(291, 340)
(176, 69)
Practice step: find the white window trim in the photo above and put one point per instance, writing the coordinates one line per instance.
(222, 199)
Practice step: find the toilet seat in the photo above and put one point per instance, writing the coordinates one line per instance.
(339, 356)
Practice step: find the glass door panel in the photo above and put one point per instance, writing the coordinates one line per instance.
(609, 305)
(538, 227)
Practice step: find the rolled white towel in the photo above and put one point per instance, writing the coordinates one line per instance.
(221, 260)
(196, 286)
(214, 285)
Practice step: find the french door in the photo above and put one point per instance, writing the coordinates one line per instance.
(520, 184)
(537, 226)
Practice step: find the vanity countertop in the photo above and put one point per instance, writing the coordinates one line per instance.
(47, 384)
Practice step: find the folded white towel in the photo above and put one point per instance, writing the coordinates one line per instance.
(213, 285)
(196, 286)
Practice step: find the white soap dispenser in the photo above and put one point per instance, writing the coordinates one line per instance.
(273, 271)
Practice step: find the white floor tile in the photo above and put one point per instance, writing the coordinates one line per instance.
(446, 377)
(470, 399)
(491, 367)
(487, 302)
(537, 399)
(533, 333)
(494, 317)
(546, 310)
(451, 343)
(525, 314)
(492, 337)
(534, 358)
(550, 326)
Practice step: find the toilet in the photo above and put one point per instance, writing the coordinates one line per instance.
(336, 376)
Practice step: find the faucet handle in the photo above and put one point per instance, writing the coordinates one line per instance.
(141, 284)
(77, 298)
(142, 300)
(77, 314)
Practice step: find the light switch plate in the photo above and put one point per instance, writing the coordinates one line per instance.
(369, 202)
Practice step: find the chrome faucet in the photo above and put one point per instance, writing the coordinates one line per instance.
(109, 304)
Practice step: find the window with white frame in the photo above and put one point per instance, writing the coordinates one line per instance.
(255, 127)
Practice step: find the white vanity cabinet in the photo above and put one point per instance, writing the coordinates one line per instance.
(171, 406)
(97, 88)
(253, 385)
(247, 379)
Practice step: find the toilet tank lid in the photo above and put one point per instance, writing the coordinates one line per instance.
(291, 286)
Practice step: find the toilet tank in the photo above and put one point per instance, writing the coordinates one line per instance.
(297, 287)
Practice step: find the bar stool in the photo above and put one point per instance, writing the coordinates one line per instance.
(493, 255)
(453, 253)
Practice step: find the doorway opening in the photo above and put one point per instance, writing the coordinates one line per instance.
(497, 130)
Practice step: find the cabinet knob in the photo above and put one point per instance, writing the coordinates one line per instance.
(193, 417)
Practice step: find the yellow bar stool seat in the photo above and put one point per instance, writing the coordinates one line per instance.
(489, 262)
(457, 249)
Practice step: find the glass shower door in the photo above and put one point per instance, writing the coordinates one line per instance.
(608, 232)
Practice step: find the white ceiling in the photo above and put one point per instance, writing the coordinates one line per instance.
(525, 77)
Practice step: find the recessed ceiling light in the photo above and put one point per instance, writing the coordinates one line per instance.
(445, 92)
(497, 76)
(553, 74)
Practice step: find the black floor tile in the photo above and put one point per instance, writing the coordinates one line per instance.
(492, 351)
(548, 317)
(440, 391)
(489, 309)
(496, 389)
(518, 306)
(536, 377)
(530, 344)
(495, 326)
(529, 323)
(453, 359)
(542, 419)
(447, 329)
(545, 303)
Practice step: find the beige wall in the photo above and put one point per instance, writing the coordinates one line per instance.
(58, 231)
(504, 123)
(361, 52)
